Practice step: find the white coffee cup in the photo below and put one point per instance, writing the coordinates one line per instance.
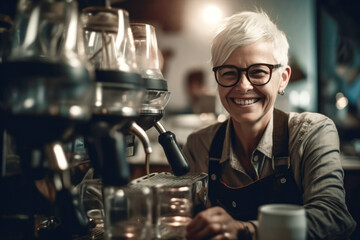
(282, 221)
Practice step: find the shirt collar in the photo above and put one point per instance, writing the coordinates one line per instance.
(264, 146)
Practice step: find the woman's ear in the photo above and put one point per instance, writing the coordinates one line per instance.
(284, 80)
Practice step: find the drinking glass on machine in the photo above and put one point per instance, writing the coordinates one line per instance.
(174, 211)
(128, 213)
(282, 221)
(92, 200)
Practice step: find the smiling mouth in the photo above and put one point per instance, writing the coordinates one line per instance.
(245, 101)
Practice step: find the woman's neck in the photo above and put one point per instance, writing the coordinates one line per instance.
(247, 136)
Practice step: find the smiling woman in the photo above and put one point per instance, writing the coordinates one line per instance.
(250, 98)
(262, 155)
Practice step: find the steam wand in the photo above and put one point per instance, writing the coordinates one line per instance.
(141, 134)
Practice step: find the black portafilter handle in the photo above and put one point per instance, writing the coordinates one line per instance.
(174, 154)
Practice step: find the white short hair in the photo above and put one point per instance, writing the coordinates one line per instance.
(246, 28)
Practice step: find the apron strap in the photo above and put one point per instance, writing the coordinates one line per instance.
(281, 159)
(217, 144)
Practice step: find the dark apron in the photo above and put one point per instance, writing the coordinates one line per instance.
(242, 202)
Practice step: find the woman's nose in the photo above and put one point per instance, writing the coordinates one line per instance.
(244, 84)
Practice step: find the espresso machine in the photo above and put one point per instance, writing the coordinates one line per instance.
(118, 96)
(71, 77)
(150, 114)
(118, 91)
(156, 95)
(130, 97)
(46, 94)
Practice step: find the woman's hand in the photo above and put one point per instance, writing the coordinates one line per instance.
(214, 223)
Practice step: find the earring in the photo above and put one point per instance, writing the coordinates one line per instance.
(282, 92)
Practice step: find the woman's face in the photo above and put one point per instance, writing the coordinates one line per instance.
(247, 103)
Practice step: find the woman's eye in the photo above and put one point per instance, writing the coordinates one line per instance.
(228, 73)
(256, 73)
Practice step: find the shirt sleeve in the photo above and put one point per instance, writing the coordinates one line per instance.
(322, 181)
(188, 152)
(196, 151)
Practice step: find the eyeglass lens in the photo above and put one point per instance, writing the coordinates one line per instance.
(257, 74)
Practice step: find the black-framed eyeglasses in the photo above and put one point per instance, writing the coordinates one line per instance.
(258, 74)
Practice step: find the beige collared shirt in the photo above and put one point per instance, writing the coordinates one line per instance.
(315, 162)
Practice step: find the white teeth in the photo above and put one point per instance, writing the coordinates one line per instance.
(245, 102)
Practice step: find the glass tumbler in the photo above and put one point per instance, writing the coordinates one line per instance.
(174, 211)
(92, 200)
(128, 212)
